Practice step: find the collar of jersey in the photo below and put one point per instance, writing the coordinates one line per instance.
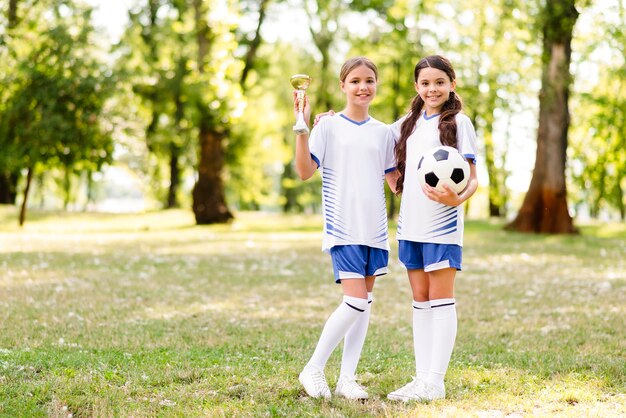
(353, 121)
(431, 116)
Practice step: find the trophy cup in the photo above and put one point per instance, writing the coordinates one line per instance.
(300, 82)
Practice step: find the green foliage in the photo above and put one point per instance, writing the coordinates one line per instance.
(213, 83)
(558, 19)
(260, 149)
(496, 57)
(53, 90)
(159, 59)
(395, 65)
(492, 51)
(598, 138)
(54, 102)
(155, 61)
(599, 146)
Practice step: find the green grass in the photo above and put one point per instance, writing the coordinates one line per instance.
(150, 315)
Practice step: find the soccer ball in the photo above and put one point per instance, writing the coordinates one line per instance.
(443, 165)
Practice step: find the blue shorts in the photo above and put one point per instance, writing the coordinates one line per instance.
(358, 261)
(429, 257)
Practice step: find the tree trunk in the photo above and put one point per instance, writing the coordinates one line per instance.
(323, 38)
(544, 209)
(67, 189)
(620, 205)
(621, 193)
(90, 190)
(12, 14)
(172, 201)
(496, 200)
(288, 193)
(8, 179)
(8, 188)
(29, 179)
(254, 45)
(175, 150)
(209, 202)
(325, 96)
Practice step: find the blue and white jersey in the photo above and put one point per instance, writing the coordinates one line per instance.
(422, 219)
(354, 158)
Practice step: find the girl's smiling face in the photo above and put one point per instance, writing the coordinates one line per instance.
(359, 86)
(434, 87)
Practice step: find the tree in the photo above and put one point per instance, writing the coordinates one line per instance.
(323, 26)
(598, 140)
(248, 167)
(253, 44)
(486, 47)
(9, 179)
(155, 61)
(544, 209)
(216, 103)
(51, 117)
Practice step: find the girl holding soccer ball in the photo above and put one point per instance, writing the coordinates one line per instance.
(430, 224)
(355, 154)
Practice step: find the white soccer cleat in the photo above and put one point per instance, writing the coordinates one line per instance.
(350, 389)
(314, 382)
(412, 391)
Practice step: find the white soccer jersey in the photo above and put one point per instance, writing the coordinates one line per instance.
(354, 158)
(422, 219)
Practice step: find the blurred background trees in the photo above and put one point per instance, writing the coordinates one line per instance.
(190, 106)
(545, 205)
(54, 94)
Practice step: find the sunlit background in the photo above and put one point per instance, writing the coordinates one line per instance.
(495, 48)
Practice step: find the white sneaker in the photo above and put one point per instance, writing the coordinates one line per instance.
(350, 389)
(431, 392)
(409, 392)
(314, 382)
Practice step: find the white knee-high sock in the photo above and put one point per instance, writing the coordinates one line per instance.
(422, 338)
(336, 328)
(444, 334)
(355, 338)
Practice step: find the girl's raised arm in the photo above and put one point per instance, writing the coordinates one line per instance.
(304, 164)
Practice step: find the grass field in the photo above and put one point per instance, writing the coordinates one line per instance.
(150, 315)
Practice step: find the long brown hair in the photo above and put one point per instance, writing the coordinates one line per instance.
(447, 120)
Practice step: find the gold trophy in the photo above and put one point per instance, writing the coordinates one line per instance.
(300, 82)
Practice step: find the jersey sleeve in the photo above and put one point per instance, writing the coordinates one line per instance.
(395, 128)
(317, 141)
(390, 157)
(466, 136)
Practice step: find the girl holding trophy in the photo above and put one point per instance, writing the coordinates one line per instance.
(355, 154)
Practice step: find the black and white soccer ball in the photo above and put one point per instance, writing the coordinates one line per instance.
(443, 165)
